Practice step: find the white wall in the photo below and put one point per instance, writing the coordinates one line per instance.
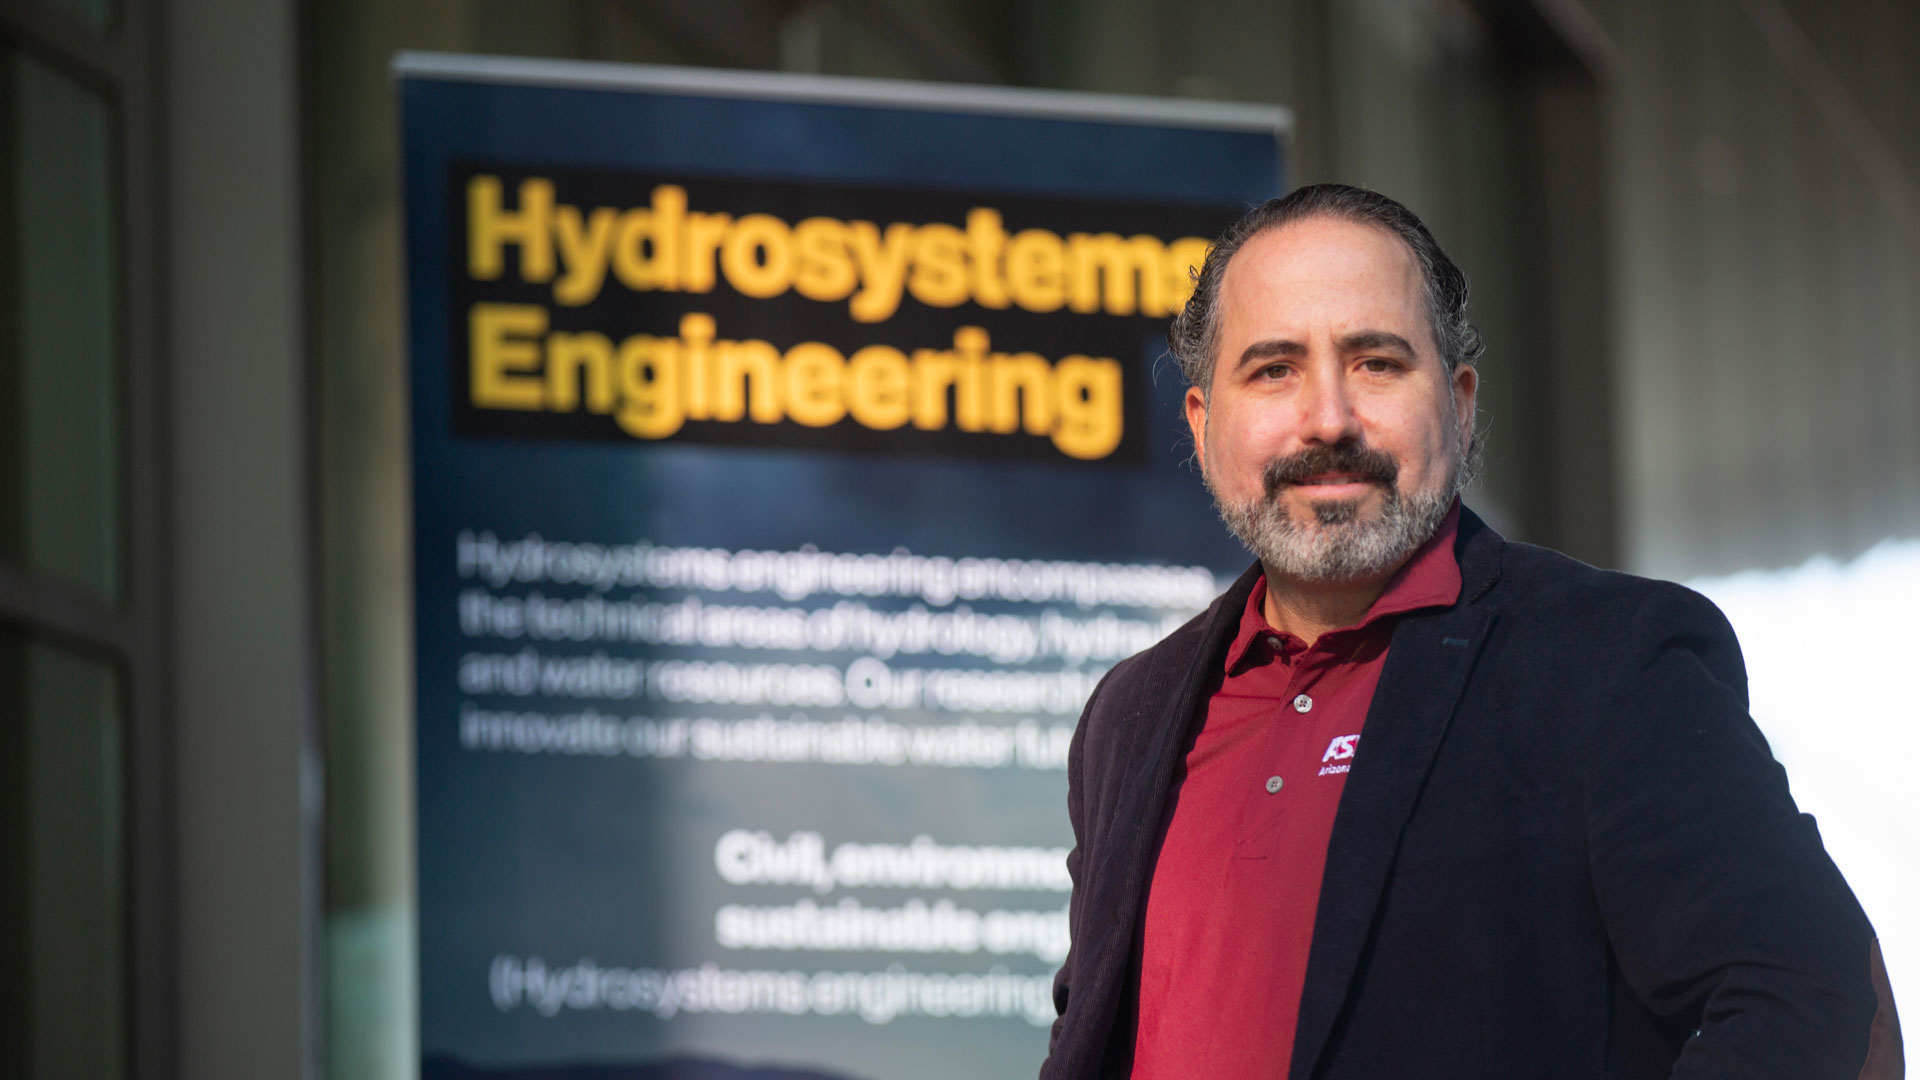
(1767, 267)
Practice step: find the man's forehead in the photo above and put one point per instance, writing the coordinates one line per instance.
(1320, 263)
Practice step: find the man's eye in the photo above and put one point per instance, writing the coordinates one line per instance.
(1276, 371)
(1377, 365)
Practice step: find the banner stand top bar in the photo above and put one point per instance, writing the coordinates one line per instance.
(842, 90)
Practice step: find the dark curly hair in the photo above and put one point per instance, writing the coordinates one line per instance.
(1194, 335)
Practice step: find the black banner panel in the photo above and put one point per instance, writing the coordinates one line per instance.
(791, 459)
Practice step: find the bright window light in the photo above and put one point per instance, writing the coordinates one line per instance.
(1832, 657)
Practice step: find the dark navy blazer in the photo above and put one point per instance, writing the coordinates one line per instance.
(1564, 850)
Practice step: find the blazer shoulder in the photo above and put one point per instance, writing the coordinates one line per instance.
(1142, 692)
(1615, 614)
(1155, 671)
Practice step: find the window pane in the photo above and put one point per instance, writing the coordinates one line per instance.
(60, 373)
(94, 13)
(61, 822)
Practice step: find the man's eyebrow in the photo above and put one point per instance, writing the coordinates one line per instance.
(1376, 341)
(1270, 349)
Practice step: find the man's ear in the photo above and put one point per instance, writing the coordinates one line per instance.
(1466, 388)
(1197, 423)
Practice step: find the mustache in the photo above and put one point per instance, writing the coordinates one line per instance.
(1353, 458)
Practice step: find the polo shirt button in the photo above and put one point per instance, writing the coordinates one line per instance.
(1273, 785)
(1302, 703)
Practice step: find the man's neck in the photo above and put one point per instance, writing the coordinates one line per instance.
(1308, 609)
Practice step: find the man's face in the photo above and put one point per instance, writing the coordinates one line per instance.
(1332, 437)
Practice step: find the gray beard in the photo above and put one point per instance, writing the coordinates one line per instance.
(1338, 545)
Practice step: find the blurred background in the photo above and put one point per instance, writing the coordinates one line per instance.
(1692, 228)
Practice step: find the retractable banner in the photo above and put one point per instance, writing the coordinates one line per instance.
(791, 457)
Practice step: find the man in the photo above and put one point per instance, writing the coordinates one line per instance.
(1410, 800)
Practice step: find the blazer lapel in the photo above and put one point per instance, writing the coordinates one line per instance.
(1143, 797)
(1155, 748)
(1426, 670)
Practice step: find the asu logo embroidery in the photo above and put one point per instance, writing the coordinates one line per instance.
(1339, 754)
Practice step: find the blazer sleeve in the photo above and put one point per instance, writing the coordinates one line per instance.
(1076, 860)
(1723, 910)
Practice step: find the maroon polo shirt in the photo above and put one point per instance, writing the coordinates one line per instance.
(1230, 911)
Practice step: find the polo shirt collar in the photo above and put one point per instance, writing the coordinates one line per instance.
(1431, 578)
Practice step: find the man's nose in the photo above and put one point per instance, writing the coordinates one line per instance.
(1328, 416)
